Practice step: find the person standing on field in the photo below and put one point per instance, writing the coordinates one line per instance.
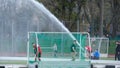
(117, 51)
(88, 49)
(55, 50)
(73, 50)
(39, 53)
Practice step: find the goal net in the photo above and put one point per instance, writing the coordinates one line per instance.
(100, 43)
(63, 40)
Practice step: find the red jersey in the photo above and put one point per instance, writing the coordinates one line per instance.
(88, 48)
(39, 50)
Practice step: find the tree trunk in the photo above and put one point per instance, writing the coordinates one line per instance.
(116, 16)
(101, 17)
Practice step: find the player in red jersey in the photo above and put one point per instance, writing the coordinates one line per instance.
(89, 50)
(39, 52)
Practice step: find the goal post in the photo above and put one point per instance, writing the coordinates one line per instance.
(100, 43)
(63, 40)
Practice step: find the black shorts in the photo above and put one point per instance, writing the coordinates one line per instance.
(39, 55)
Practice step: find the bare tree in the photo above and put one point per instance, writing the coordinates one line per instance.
(115, 17)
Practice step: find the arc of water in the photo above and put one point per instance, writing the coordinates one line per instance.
(40, 5)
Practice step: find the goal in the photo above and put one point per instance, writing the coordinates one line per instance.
(63, 40)
(100, 43)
